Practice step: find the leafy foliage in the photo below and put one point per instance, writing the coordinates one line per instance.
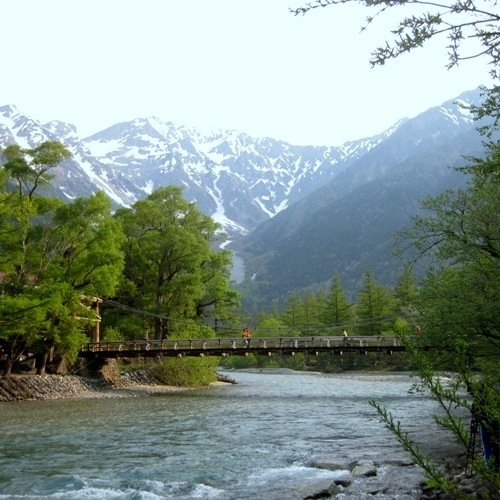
(171, 268)
(338, 310)
(29, 317)
(186, 372)
(460, 297)
(436, 478)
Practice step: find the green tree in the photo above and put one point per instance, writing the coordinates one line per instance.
(22, 230)
(20, 320)
(170, 264)
(406, 288)
(86, 246)
(81, 259)
(61, 332)
(313, 305)
(375, 307)
(218, 299)
(303, 313)
(24, 226)
(29, 167)
(271, 327)
(338, 310)
(460, 297)
(52, 254)
(292, 314)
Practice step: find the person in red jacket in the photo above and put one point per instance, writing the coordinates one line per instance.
(246, 334)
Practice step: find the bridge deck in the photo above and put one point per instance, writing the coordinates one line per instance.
(238, 347)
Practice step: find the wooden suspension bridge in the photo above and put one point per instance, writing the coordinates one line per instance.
(240, 347)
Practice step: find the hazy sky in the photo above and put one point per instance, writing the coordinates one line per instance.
(248, 65)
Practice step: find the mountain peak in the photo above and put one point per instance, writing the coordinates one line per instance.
(62, 130)
(8, 110)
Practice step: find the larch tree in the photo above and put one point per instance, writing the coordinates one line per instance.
(313, 305)
(374, 308)
(406, 288)
(292, 314)
(338, 311)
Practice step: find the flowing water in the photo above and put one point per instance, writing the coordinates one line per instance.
(254, 440)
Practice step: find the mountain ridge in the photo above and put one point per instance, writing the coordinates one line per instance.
(239, 180)
(346, 226)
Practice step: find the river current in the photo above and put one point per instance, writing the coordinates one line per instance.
(258, 439)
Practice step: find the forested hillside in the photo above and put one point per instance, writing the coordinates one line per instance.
(347, 225)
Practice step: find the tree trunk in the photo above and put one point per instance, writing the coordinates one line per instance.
(9, 362)
(158, 329)
(41, 363)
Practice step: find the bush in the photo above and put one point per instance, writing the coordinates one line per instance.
(186, 372)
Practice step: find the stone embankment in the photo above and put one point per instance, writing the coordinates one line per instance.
(28, 387)
(39, 387)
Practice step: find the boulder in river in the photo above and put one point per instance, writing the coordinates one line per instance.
(364, 468)
(327, 464)
(327, 491)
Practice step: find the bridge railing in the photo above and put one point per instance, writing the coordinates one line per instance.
(228, 344)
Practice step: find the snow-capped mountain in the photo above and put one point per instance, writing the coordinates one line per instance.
(238, 180)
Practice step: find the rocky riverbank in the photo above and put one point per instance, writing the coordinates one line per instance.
(42, 387)
(369, 476)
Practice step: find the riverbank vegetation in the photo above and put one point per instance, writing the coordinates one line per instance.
(72, 272)
(60, 261)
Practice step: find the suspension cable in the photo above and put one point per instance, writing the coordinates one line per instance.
(368, 322)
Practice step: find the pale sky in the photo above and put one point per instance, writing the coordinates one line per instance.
(247, 65)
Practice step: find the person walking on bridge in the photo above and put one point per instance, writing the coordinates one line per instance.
(246, 334)
(344, 334)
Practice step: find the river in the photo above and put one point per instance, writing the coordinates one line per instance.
(258, 439)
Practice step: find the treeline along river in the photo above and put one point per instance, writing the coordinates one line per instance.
(258, 439)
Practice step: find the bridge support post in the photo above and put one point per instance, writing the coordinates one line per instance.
(103, 369)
